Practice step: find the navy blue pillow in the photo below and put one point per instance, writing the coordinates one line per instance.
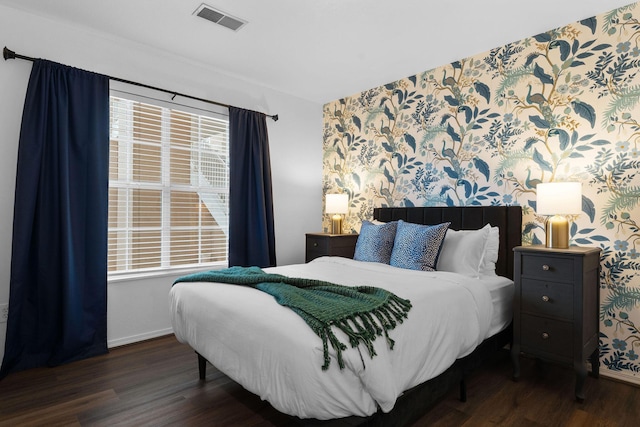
(417, 247)
(375, 242)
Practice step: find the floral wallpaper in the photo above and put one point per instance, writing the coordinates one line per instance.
(563, 105)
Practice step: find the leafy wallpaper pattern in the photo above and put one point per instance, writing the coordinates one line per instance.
(563, 105)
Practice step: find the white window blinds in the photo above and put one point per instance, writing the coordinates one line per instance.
(168, 188)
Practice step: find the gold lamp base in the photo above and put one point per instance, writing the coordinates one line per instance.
(336, 224)
(557, 229)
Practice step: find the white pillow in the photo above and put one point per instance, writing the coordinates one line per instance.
(469, 252)
(488, 265)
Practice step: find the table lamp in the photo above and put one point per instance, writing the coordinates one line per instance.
(337, 204)
(558, 199)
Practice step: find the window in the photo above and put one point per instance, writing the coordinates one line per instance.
(168, 187)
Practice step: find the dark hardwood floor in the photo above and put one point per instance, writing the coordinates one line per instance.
(155, 383)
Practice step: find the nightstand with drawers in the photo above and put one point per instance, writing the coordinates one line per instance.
(326, 244)
(555, 311)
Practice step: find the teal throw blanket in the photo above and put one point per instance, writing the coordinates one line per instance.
(362, 312)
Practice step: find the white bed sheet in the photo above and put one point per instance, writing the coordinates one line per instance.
(272, 352)
(501, 290)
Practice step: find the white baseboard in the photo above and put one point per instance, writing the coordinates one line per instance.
(629, 379)
(137, 338)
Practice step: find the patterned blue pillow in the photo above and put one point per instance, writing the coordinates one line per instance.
(417, 247)
(375, 242)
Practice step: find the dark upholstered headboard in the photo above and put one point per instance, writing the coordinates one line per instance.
(507, 218)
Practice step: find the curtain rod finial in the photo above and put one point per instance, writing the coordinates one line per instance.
(275, 117)
(8, 54)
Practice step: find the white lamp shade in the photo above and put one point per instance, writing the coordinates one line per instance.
(337, 204)
(559, 198)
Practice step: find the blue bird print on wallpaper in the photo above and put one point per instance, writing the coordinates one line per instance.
(531, 182)
(536, 98)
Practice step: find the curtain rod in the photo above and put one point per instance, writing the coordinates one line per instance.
(9, 54)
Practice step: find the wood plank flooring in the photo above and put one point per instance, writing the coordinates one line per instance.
(155, 383)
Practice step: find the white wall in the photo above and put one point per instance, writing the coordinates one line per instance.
(138, 309)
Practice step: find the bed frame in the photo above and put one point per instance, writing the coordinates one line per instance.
(418, 400)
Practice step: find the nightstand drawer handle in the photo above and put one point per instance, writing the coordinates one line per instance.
(545, 267)
(545, 298)
(315, 244)
(545, 335)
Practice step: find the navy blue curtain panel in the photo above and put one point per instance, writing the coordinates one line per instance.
(58, 288)
(251, 229)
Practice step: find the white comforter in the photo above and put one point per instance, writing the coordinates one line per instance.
(271, 351)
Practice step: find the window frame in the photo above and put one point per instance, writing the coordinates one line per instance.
(152, 97)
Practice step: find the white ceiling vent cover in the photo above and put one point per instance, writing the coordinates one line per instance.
(219, 17)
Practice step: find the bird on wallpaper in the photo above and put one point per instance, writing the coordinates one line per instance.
(531, 183)
(536, 98)
(453, 85)
(448, 81)
(543, 106)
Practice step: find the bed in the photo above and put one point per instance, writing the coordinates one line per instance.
(271, 352)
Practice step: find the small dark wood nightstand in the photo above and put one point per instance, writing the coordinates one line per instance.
(555, 310)
(326, 244)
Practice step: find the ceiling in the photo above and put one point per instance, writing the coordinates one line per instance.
(322, 50)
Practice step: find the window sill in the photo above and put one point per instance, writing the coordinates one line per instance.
(177, 271)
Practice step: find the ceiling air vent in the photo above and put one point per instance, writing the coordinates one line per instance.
(219, 17)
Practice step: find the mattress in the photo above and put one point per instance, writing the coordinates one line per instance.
(272, 352)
